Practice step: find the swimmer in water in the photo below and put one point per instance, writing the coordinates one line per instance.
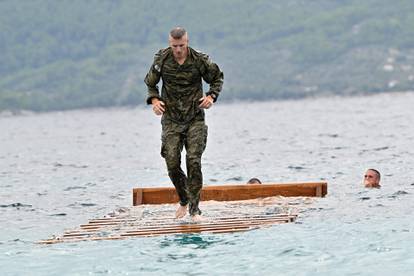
(372, 178)
(254, 181)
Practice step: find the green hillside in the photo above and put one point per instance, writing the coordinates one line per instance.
(65, 54)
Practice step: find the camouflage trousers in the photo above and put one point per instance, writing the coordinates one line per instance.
(192, 136)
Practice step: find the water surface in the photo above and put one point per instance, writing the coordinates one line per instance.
(59, 169)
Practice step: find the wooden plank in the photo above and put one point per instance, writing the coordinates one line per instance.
(152, 227)
(158, 226)
(137, 198)
(172, 221)
(229, 227)
(170, 218)
(81, 238)
(78, 239)
(163, 195)
(181, 228)
(212, 223)
(193, 229)
(167, 219)
(318, 192)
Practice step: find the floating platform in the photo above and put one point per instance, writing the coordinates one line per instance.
(232, 192)
(122, 228)
(226, 209)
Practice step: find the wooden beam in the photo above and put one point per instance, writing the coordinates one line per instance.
(163, 195)
(318, 192)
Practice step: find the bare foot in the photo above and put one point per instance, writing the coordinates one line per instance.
(181, 212)
(197, 218)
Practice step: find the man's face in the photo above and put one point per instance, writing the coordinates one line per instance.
(179, 46)
(371, 179)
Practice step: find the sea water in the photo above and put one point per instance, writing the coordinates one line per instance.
(59, 169)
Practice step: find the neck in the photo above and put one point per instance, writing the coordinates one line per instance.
(181, 60)
(372, 186)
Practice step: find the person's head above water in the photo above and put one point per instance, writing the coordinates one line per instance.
(372, 178)
(254, 181)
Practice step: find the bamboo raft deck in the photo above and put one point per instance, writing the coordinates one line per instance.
(220, 216)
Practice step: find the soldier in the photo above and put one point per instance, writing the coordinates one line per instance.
(182, 105)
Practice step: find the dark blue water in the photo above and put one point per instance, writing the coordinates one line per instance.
(57, 170)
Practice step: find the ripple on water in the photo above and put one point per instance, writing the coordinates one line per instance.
(16, 205)
(58, 215)
(274, 210)
(235, 178)
(373, 150)
(117, 196)
(331, 135)
(296, 168)
(377, 205)
(364, 198)
(194, 241)
(79, 204)
(76, 166)
(398, 194)
(379, 249)
(74, 188)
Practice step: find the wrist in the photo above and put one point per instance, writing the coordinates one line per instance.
(154, 101)
(213, 96)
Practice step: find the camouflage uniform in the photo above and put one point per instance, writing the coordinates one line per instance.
(183, 121)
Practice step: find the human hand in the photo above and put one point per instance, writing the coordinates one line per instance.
(158, 106)
(206, 102)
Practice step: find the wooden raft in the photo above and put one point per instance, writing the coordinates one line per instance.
(145, 221)
(122, 228)
(232, 192)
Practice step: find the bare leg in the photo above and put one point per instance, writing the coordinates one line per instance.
(181, 211)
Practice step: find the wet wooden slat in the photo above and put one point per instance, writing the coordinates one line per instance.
(180, 229)
(80, 239)
(147, 228)
(217, 221)
(186, 231)
(170, 220)
(180, 226)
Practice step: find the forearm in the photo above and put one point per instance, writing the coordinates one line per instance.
(216, 84)
(151, 80)
(152, 94)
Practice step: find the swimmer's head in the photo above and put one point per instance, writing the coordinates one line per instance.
(254, 181)
(372, 178)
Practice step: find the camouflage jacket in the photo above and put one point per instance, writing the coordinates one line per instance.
(182, 84)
